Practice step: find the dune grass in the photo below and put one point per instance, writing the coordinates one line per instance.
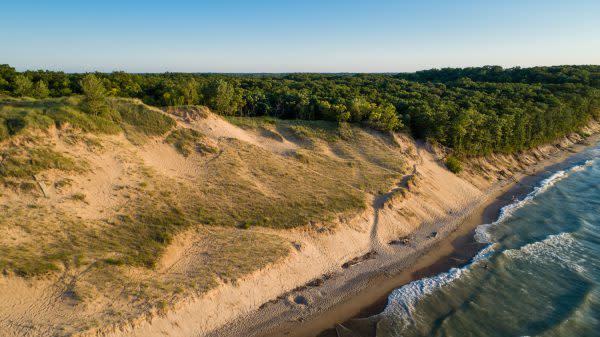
(246, 185)
(19, 115)
(187, 140)
(26, 161)
(150, 121)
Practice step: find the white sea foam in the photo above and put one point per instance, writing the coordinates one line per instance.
(560, 249)
(485, 253)
(482, 233)
(404, 299)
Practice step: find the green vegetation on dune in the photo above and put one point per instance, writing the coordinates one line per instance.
(16, 116)
(242, 185)
(246, 185)
(453, 164)
(22, 162)
(149, 121)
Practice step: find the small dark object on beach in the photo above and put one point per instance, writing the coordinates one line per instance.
(402, 241)
(315, 283)
(359, 259)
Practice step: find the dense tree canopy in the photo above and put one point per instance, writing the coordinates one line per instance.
(473, 110)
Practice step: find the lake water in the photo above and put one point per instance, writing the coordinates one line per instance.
(538, 276)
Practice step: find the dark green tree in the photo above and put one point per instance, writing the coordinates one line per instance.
(94, 95)
(221, 96)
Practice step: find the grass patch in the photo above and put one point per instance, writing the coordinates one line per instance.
(23, 162)
(323, 130)
(247, 186)
(187, 140)
(19, 115)
(73, 117)
(252, 122)
(78, 197)
(145, 119)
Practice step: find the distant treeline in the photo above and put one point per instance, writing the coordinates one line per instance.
(472, 110)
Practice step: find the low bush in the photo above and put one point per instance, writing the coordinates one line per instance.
(453, 164)
(184, 140)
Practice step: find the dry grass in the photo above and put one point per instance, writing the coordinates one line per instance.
(187, 140)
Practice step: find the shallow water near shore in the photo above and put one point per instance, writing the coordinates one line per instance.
(538, 275)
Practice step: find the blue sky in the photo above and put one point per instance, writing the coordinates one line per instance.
(291, 36)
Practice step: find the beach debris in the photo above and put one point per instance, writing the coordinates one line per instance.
(368, 256)
(405, 240)
(297, 245)
(301, 300)
(41, 185)
(315, 283)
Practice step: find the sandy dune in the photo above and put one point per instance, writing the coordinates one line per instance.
(425, 205)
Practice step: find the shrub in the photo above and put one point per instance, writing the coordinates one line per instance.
(78, 197)
(27, 186)
(94, 101)
(453, 164)
(41, 90)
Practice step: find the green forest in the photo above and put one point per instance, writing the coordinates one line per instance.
(474, 111)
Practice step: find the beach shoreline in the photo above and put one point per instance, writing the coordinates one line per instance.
(369, 296)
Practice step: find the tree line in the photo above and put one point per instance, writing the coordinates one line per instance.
(472, 110)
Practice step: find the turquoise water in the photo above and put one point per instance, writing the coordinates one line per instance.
(538, 276)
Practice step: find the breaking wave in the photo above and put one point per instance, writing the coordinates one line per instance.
(482, 232)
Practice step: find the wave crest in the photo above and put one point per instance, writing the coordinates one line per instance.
(482, 233)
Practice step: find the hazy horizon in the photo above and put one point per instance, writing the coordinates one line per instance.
(272, 37)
